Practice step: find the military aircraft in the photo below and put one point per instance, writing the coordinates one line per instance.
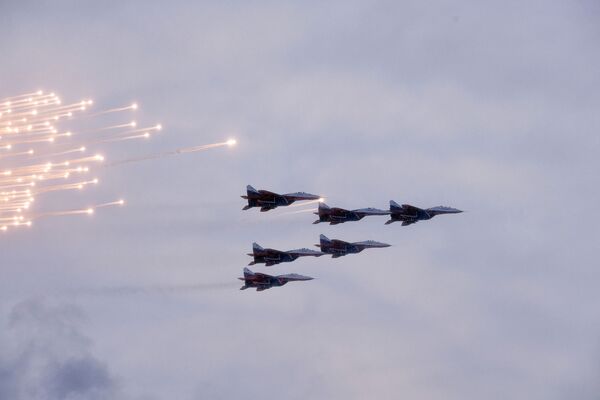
(339, 215)
(268, 200)
(272, 256)
(264, 281)
(339, 248)
(410, 214)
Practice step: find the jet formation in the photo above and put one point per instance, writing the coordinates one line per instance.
(267, 200)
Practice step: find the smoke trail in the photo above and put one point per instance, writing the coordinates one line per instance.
(296, 212)
(182, 150)
(153, 290)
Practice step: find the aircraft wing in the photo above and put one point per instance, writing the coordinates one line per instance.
(444, 210)
(295, 277)
(304, 252)
(405, 223)
(301, 196)
(260, 288)
(371, 211)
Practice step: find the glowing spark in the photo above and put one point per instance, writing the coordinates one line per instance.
(34, 119)
(52, 161)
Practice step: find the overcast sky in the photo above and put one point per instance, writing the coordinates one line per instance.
(490, 107)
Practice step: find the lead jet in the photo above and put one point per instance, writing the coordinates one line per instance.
(410, 214)
(272, 256)
(268, 200)
(264, 281)
(339, 248)
(335, 215)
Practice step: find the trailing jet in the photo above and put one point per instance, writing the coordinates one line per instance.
(410, 214)
(268, 200)
(264, 281)
(272, 257)
(339, 215)
(339, 248)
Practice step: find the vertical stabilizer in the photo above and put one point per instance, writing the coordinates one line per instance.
(394, 206)
(256, 247)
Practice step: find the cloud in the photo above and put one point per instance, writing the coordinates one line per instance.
(46, 357)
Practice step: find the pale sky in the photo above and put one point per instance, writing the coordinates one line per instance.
(484, 106)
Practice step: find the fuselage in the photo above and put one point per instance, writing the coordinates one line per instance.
(340, 247)
(411, 215)
(270, 257)
(267, 200)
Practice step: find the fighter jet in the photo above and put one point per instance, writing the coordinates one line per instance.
(410, 214)
(268, 200)
(339, 248)
(272, 256)
(339, 215)
(264, 281)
